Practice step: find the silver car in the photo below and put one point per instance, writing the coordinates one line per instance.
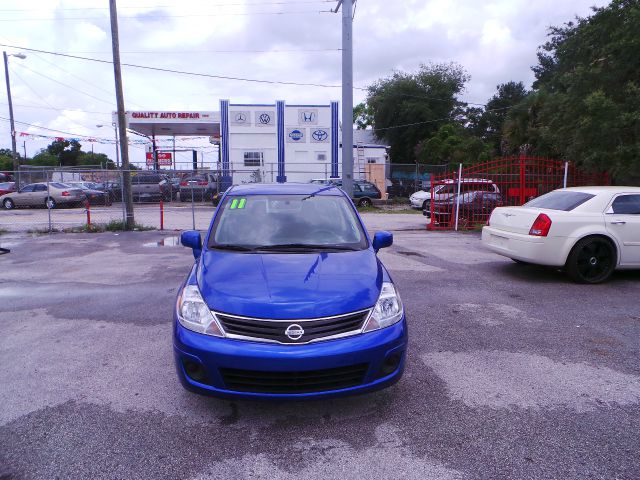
(38, 195)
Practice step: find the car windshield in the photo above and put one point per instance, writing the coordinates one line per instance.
(288, 222)
(560, 200)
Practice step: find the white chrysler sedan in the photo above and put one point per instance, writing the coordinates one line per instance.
(587, 231)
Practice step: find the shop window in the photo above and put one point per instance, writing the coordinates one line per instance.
(253, 159)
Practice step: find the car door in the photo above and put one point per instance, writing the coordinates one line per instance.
(24, 196)
(623, 222)
(39, 195)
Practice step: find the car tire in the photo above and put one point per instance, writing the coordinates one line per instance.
(592, 260)
(365, 202)
(424, 205)
(8, 204)
(50, 203)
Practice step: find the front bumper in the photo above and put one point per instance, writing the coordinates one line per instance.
(381, 354)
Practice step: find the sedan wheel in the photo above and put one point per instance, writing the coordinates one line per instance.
(592, 260)
(365, 202)
(8, 204)
(50, 203)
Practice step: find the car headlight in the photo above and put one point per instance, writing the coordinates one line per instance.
(194, 313)
(388, 309)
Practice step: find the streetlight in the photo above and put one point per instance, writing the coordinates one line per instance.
(115, 128)
(16, 162)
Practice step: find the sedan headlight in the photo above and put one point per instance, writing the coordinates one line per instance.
(388, 309)
(194, 313)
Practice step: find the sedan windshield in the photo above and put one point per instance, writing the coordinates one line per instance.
(287, 222)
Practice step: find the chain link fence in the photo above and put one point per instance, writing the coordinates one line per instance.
(81, 199)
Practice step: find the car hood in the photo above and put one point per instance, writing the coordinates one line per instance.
(289, 286)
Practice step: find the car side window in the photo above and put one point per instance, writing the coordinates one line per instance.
(40, 188)
(27, 188)
(627, 205)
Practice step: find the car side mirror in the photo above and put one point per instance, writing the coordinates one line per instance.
(193, 240)
(382, 240)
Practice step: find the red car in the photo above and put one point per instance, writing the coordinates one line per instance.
(7, 187)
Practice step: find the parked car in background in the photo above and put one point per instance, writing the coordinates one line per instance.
(200, 187)
(363, 192)
(42, 194)
(449, 187)
(145, 186)
(7, 187)
(587, 231)
(94, 196)
(287, 300)
(473, 208)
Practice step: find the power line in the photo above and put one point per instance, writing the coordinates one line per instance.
(40, 107)
(181, 72)
(183, 52)
(68, 86)
(142, 7)
(123, 17)
(32, 90)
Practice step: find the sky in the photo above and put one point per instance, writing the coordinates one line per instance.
(298, 41)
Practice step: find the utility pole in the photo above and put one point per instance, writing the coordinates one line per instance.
(14, 150)
(347, 94)
(124, 147)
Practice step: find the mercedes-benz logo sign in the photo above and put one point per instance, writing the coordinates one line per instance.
(265, 119)
(294, 332)
(241, 118)
(320, 135)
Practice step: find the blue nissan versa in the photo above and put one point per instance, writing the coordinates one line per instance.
(287, 299)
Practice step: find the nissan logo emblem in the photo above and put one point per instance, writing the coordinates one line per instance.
(294, 332)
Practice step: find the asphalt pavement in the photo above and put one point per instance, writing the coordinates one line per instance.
(513, 372)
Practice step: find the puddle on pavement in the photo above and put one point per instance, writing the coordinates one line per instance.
(165, 242)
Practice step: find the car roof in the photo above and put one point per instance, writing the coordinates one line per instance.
(283, 189)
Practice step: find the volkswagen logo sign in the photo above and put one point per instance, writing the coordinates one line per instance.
(320, 135)
(265, 119)
(296, 135)
(294, 332)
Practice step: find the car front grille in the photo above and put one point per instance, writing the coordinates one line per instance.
(276, 330)
(309, 381)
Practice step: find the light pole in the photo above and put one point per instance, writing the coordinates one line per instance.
(115, 129)
(14, 150)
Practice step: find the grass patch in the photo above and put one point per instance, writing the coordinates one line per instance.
(407, 211)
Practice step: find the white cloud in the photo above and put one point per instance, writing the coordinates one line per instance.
(495, 41)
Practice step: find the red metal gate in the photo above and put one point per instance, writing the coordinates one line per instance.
(503, 181)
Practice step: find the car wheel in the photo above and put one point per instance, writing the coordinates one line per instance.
(592, 260)
(8, 204)
(365, 202)
(50, 203)
(424, 205)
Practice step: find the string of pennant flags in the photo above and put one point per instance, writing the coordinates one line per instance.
(106, 141)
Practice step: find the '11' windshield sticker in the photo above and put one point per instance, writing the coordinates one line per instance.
(235, 203)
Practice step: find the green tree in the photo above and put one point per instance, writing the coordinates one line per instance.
(44, 159)
(362, 116)
(407, 108)
(586, 101)
(451, 145)
(67, 151)
(491, 122)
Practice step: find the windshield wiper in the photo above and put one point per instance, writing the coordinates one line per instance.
(228, 246)
(305, 246)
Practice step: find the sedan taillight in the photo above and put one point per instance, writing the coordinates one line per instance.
(541, 226)
(183, 184)
(65, 194)
(202, 183)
